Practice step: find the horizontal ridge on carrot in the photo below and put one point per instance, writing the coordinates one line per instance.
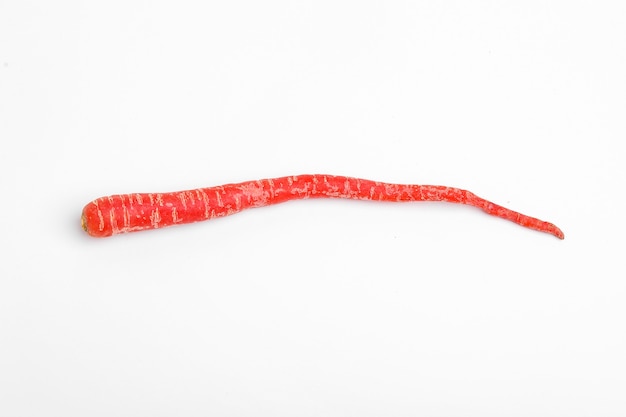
(124, 213)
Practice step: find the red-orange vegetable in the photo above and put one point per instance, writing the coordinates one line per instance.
(115, 214)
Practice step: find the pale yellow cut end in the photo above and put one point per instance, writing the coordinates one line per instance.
(83, 223)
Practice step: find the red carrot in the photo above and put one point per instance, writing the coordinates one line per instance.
(108, 216)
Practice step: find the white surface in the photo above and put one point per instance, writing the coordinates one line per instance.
(314, 308)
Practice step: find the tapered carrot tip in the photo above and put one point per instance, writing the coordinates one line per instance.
(557, 232)
(546, 227)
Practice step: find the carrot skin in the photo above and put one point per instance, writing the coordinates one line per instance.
(107, 216)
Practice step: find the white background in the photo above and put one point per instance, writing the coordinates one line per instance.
(314, 308)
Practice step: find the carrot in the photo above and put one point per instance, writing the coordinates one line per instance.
(116, 214)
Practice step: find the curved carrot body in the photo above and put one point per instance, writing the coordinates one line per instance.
(116, 214)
